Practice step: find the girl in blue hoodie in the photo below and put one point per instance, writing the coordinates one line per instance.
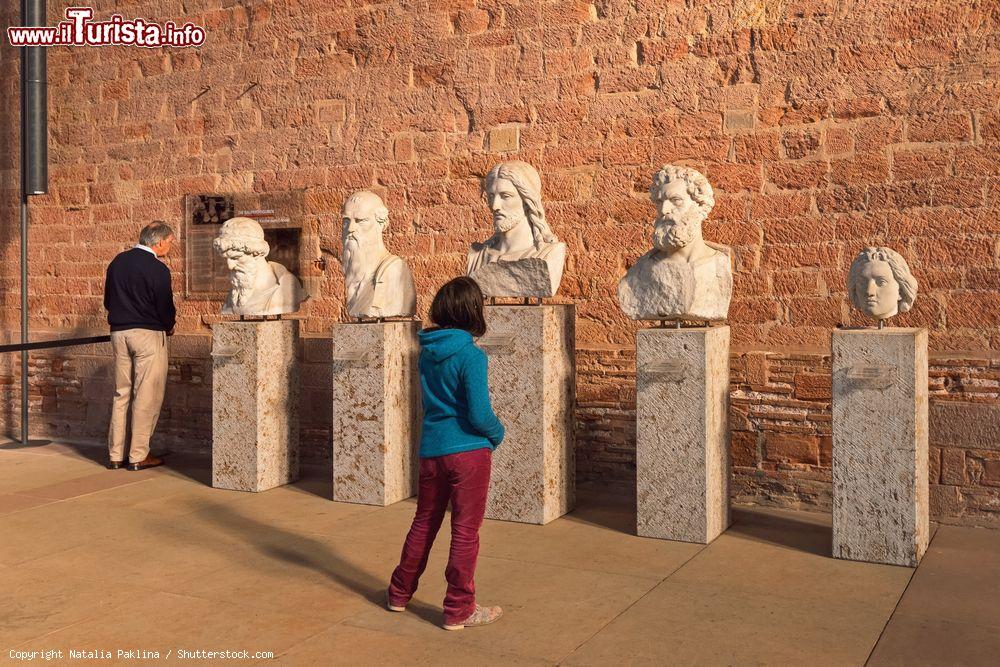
(460, 432)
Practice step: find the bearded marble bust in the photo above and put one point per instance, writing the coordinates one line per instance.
(259, 287)
(523, 258)
(683, 277)
(378, 283)
(880, 283)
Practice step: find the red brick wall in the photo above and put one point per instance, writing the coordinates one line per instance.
(824, 126)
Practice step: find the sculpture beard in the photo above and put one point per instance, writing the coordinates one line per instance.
(355, 266)
(503, 224)
(672, 233)
(243, 278)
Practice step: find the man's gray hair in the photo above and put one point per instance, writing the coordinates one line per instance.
(155, 232)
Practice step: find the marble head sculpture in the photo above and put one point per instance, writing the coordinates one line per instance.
(260, 287)
(523, 258)
(880, 283)
(378, 283)
(683, 277)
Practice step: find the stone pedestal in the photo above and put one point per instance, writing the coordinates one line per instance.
(682, 433)
(880, 509)
(532, 380)
(255, 403)
(376, 412)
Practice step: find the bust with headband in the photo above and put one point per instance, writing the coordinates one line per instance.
(259, 287)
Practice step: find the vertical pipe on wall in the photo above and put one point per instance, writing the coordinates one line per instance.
(34, 165)
(24, 318)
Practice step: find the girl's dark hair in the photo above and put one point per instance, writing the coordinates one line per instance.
(459, 305)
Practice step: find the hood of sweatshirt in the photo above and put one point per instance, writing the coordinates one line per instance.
(439, 344)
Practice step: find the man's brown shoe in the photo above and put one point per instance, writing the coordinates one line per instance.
(115, 465)
(148, 462)
(481, 616)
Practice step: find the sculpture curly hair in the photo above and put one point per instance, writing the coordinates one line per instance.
(698, 187)
(900, 271)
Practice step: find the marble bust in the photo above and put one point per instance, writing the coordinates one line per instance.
(683, 277)
(880, 283)
(260, 287)
(523, 258)
(378, 283)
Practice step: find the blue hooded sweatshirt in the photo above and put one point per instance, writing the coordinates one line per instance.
(458, 416)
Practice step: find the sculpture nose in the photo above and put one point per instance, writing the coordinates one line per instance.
(872, 288)
(495, 203)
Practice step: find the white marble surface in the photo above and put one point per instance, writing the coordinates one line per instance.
(683, 277)
(880, 283)
(259, 287)
(377, 283)
(523, 258)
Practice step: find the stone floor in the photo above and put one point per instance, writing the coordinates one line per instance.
(99, 560)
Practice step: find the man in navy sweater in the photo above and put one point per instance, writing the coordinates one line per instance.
(140, 304)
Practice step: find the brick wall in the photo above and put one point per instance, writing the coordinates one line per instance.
(824, 125)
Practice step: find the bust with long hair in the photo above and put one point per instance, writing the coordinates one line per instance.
(523, 257)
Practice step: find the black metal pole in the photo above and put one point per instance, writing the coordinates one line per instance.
(24, 316)
(34, 165)
(24, 242)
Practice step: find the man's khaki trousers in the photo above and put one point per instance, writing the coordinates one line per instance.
(140, 379)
